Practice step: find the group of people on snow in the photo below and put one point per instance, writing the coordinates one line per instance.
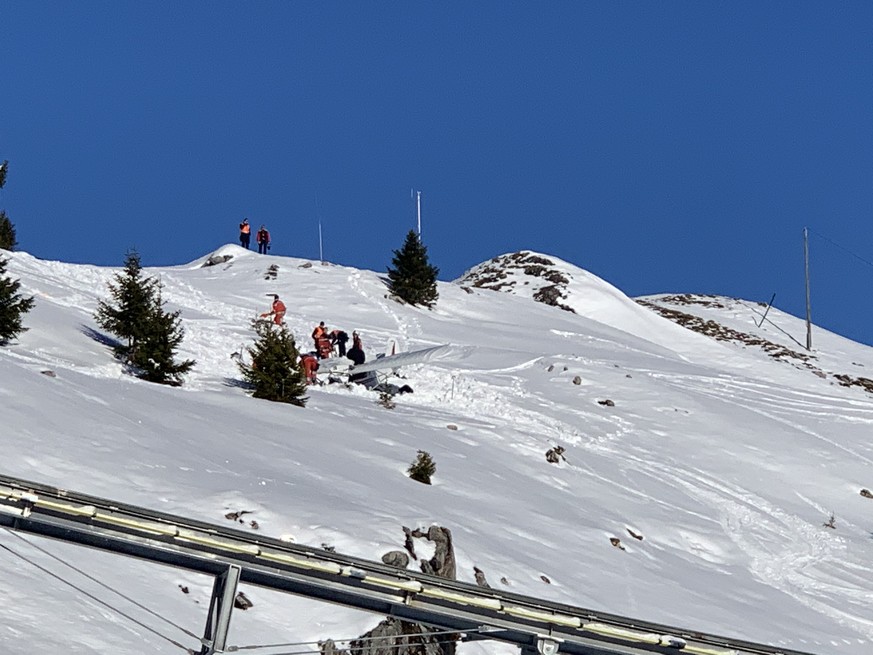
(262, 237)
(324, 340)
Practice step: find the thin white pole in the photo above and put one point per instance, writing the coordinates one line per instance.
(806, 272)
(318, 216)
(418, 206)
(320, 247)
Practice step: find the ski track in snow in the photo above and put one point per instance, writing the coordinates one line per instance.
(724, 391)
(754, 524)
(408, 329)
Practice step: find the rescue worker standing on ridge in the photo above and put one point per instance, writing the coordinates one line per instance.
(263, 239)
(245, 233)
(277, 311)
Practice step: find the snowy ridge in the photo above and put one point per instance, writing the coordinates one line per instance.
(724, 459)
(554, 282)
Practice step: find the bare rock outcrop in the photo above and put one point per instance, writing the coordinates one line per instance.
(394, 636)
(443, 561)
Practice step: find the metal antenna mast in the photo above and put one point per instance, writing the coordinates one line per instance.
(806, 273)
(318, 216)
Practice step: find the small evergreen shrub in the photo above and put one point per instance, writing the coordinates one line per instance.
(422, 468)
(386, 399)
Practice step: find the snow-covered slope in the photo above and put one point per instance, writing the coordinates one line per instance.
(725, 459)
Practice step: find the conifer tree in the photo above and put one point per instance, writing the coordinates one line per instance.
(156, 346)
(7, 229)
(7, 232)
(153, 335)
(12, 306)
(412, 278)
(275, 372)
(422, 468)
(133, 294)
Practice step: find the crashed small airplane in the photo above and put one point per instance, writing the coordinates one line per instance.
(374, 374)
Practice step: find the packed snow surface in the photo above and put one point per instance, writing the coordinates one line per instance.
(724, 456)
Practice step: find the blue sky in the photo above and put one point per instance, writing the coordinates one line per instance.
(664, 146)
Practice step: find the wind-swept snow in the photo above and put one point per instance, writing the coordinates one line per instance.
(725, 459)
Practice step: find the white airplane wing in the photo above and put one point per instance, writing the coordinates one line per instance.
(338, 364)
(401, 359)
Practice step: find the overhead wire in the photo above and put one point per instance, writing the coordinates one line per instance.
(841, 247)
(104, 585)
(93, 597)
(181, 628)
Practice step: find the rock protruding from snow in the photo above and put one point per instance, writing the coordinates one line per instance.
(394, 637)
(443, 561)
(396, 558)
(214, 260)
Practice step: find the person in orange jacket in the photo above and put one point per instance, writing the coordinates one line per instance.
(319, 332)
(321, 339)
(245, 233)
(310, 366)
(277, 311)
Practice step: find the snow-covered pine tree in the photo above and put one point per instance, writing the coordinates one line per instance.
(412, 278)
(133, 294)
(137, 315)
(275, 372)
(155, 350)
(12, 306)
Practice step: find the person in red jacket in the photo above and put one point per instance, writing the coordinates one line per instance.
(310, 366)
(263, 239)
(277, 311)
